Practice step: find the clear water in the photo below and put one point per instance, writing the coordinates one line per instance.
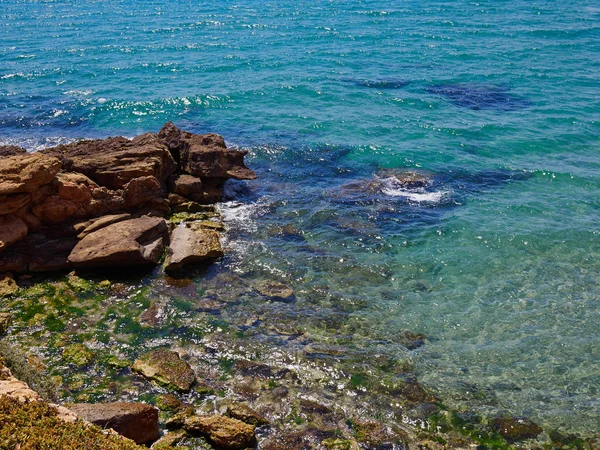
(496, 261)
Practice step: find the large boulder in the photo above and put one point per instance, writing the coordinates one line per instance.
(12, 229)
(205, 155)
(192, 243)
(114, 162)
(136, 421)
(166, 368)
(224, 432)
(128, 243)
(27, 172)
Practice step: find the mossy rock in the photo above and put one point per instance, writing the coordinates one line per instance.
(5, 322)
(340, 444)
(79, 284)
(181, 217)
(168, 402)
(37, 426)
(78, 355)
(117, 363)
(8, 286)
(166, 368)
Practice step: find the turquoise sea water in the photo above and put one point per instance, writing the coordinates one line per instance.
(495, 261)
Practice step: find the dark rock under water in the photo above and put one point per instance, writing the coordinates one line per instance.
(481, 96)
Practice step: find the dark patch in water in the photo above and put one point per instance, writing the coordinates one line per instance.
(485, 179)
(478, 97)
(381, 83)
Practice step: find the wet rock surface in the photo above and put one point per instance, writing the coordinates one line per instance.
(136, 421)
(167, 368)
(224, 432)
(190, 244)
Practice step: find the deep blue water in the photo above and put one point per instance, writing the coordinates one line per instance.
(499, 102)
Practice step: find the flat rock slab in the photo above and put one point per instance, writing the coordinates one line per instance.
(166, 368)
(192, 243)
(224, 432)
(128, 243)
(136, 421)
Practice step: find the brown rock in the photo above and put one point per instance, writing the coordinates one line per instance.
(191, 244)
(26, 172)
(8, 285)
(246, 414)
(12, 229)
(102, 222)
(12, 203)
(136, 421)
(11, 150)
(142, 190)
(185, 185)
(224, 432)
(114, 162)
(167, 368)
(205, 156)
(128, 243)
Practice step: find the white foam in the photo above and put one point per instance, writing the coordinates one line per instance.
(394, 188)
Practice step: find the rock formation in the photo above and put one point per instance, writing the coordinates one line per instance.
(100, 203)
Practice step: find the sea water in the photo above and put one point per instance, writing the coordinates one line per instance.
(495, 258)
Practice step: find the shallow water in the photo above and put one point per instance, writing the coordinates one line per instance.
(495, 260)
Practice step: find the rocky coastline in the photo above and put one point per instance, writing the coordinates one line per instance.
(73, 218)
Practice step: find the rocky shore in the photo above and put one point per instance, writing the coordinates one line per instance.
(159, 359)
(101, 204)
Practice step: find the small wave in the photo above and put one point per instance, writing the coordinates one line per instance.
(392, 187)
(33, 144)
(240, 216)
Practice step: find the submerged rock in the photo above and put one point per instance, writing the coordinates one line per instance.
(274, 290)
(78, 355)
(224, 432)
(515, 428)
(136, 421)
(406, 178)
(190, 244)
(246, 414)
(167, 368)
(130, 243)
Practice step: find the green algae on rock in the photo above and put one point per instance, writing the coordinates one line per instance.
(166, 368)
(78, 355)
(36, 425)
